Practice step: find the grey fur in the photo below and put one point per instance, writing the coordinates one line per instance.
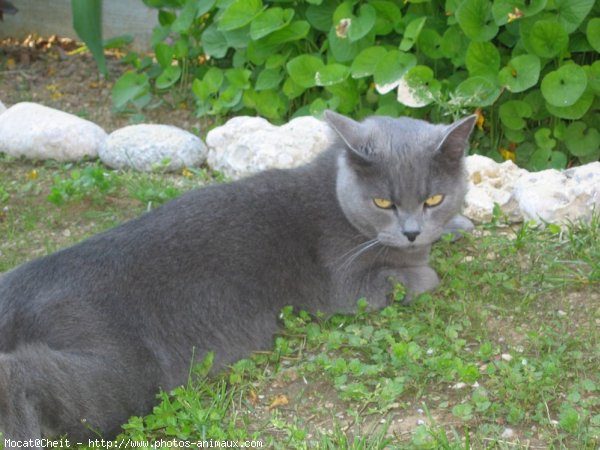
(90, 333)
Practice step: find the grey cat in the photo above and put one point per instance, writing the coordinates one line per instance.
(89, 334)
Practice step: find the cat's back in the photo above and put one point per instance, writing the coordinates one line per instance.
(238, 227)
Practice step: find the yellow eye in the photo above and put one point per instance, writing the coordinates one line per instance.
(383, 203)
(434, 200)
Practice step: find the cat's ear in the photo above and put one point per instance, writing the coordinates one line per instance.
(456, 140)
(354, 135)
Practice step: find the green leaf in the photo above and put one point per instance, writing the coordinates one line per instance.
(513, 112)
(239, 13)
(181, 49)
(540, 159)
(231, 96)
(418, 87)
(363, 23)
(240, 78)
(341, 48)
(164, 54)
(270, 20)
(166, 17)
(346, 94)
(214, 42)
(430, 43)
(592, 32)
(291, 89)
(463, 411)
(238, 38)
(575, 111)
(200, 89)
(558, 161)
(581, 140)
(276, 61)
(453, 46)
(302, 70)
(477, 91)
(268, 103)
(547, 38)
(569, 419)
(184, 20)
(543, 139)
(118, 41)
(343, 11)
(129, 87)
(483, 58)
(388, 16)
(502, 9)
(593, 74)
(318, 107)
(391, 68)
(411, 33)
(331, 74)
(321, 16)
(521, 73)
(293, 32)
(214, 78)
(365, 62)
(87, 23)
(475, 19)
(268, 79)
(564, 86)
(571, 13)
(168, 77)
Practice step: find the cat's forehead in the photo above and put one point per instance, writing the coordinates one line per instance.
(403, 155)
(403, 135)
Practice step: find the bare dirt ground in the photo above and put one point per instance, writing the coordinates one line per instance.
(47, 71)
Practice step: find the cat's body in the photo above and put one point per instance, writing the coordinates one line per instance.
(93, 331)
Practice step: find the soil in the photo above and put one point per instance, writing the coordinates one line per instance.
(52, 72)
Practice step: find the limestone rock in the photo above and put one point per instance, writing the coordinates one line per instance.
(491, 183)
(144, 147)
(246, 145)
(38, 132)
(560, 197)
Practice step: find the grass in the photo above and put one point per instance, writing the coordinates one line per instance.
(504, 355)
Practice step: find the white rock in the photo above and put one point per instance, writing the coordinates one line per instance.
(2, 107)
(145, 147)
(557, 197)
(39, 132)
(490, 183)
(508, 433)
(246, 145)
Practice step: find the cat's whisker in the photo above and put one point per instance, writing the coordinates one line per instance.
(384, 249)
(353, 249)
(353, 254)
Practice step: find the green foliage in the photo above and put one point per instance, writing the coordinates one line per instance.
(88, 26)
(525, 64)
(90, 182)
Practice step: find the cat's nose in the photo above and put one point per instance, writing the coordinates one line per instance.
(411, 235)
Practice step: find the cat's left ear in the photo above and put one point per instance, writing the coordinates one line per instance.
(455, 141)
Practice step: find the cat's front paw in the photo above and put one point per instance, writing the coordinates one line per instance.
(458, 226)
(416, 280)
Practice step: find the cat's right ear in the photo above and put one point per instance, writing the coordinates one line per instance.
(354, 135)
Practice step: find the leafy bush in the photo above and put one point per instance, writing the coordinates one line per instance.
(530, 67)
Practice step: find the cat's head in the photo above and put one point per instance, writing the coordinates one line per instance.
(401, 180)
